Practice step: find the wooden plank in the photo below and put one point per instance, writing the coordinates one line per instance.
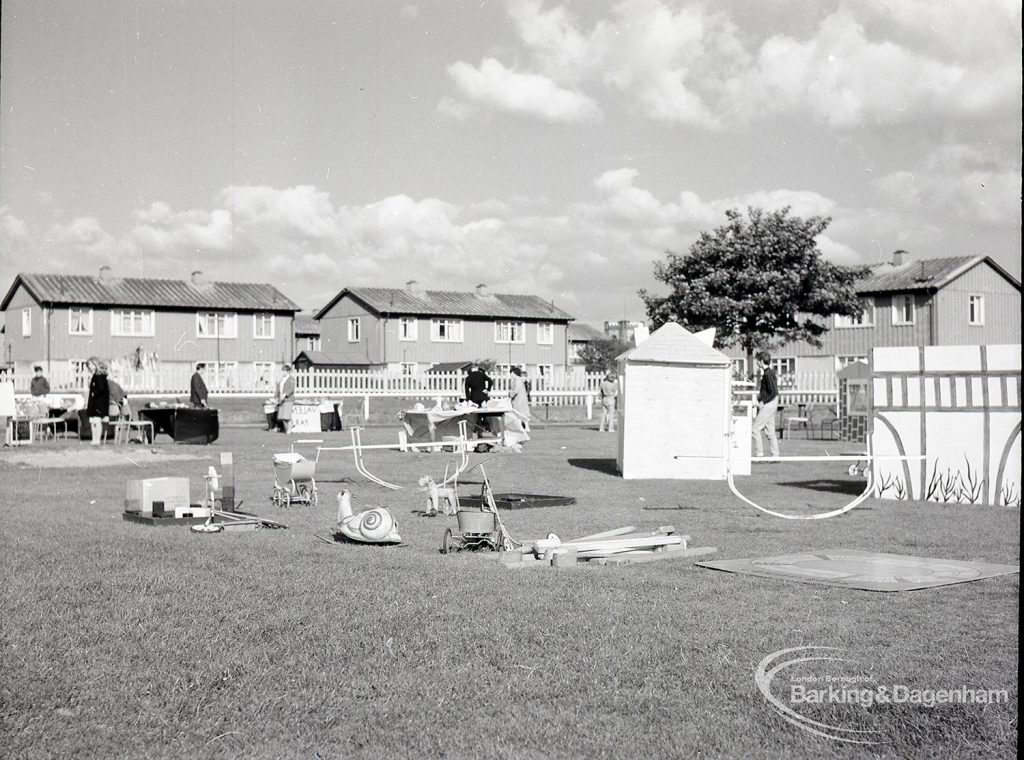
(628, 542)
(642, 557)
(608, 533)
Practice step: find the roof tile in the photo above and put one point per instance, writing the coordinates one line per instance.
(145, 292)
(454, 304)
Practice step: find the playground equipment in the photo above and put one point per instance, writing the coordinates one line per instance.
(294, 481)
(357, 448)
(479, 528)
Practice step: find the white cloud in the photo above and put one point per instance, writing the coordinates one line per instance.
(957, 181)
(591, 254)
(158, 229)
(803, 203)
(82, 236)
(558, 49)
(495, 86)
(864, 62)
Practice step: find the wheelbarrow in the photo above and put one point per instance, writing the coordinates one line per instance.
(294, 481)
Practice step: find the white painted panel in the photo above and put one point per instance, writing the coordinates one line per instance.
(1012, 391)
(896, 433)
(1004, 357)
(977, 391)
(945, 395)
(1005, 435)
(955, 448)
(952, 358)
(896, 359)
(995, 391)
(929, 392)
(879, 394)
(675, 422)
(740, 449)
(914, 391)
(960, 385)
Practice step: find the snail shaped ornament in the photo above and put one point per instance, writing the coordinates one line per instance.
(374, 526)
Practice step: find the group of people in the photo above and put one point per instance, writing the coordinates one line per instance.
(107, 399)
(284, 395)
(478, 385)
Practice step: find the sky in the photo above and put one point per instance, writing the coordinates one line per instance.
(555, 149)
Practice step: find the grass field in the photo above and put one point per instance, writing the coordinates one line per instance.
(121, 640)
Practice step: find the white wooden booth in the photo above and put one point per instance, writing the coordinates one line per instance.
(675, 408)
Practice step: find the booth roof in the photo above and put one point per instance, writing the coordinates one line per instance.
(322, 359)
(451, 367)
(673, 344)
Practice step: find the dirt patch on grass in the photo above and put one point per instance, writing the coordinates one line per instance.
(100, 456)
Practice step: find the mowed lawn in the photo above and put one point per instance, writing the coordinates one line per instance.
(121, 640)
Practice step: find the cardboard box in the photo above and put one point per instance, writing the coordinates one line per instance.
(169, 495)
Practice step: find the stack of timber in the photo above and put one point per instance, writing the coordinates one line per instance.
(620, 546)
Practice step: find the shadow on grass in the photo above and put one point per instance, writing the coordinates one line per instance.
(607, 466)
(851, 487)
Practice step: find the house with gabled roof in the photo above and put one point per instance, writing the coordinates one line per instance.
(411, 330)
(57, 321)
(960, 300)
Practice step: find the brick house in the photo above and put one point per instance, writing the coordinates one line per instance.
(411, 330)
(963, 300)
(58, 321)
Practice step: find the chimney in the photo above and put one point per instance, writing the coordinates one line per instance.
(481, 289)
(198, 279)
(414, 288)
(104, 278)
(900, 257)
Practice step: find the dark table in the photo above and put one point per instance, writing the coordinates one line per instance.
(184, 425)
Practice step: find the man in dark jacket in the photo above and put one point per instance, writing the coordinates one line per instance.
(478, 385)
(767, 406)
(197, 388)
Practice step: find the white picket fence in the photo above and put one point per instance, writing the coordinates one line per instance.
(558, 388)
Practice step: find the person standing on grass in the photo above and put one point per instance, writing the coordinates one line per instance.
(609, 390)
(519, 396)
(39, 386)
(284, 396)
(767, 407)
(197, 388)
(478, 385)
(98, 407)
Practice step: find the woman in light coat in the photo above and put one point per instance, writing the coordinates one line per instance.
(285, 395)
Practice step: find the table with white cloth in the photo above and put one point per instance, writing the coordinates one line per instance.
(429, 425)
(305, 417)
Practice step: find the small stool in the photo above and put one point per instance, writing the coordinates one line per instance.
(126, 427)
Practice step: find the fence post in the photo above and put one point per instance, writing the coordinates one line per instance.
(366, 409)
(590, 406)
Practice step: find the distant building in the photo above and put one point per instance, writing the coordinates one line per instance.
(412, 330)
(58, 321)
(622, 330)
(307, 333)
(581, 335)
(963, 300)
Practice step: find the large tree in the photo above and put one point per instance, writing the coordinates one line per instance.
(599, 354)
(759, 279)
